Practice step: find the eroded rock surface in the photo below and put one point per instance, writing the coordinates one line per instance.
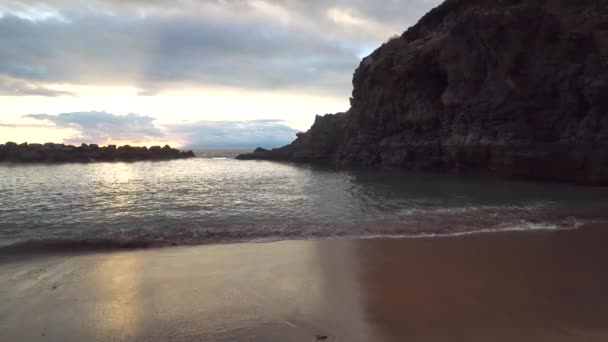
(515, 88)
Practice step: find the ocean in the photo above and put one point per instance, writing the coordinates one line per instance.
(216, 199)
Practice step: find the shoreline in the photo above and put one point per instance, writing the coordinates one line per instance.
(37, 248)
(512, 286)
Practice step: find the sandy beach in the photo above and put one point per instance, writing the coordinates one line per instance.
(517, 286)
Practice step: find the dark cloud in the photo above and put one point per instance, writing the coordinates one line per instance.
(234, 134)
(392, 11)
(160, 52)
(273, 44)
(101, 127)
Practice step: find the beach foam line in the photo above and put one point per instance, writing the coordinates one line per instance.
(102, 244)
(410, 223)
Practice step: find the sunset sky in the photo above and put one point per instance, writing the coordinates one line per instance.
(196, 73)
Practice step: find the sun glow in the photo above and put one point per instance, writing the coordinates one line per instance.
(179, 106)
(143, 143)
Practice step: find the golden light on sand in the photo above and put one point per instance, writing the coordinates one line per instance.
(117, 283)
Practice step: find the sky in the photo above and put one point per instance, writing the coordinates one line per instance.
(191, 73)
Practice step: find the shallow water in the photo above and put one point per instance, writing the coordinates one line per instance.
(215, 198)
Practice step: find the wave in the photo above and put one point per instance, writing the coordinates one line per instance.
(411, 223)
(218, 154)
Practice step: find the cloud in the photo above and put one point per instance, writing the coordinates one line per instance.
(102, 127)
(390, 11)
(19, 125)
(162, 52)
(10, 87)
(308, 46)
(233, 134)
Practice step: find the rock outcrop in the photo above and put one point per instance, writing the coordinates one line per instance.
(60, 153)
(515, 88)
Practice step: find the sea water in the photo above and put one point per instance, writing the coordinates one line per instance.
(214, 199)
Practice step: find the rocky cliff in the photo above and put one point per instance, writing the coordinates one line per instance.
(515, 88)
(60, 153)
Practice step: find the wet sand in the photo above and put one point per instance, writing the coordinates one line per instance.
(520, 286)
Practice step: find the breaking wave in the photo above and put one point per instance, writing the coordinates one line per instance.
(412, 223)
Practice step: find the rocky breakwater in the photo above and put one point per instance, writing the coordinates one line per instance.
(514, 88)
(60, 153)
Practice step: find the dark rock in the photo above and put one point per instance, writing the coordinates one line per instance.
(187, 154)
(58, 153)
(500, 87)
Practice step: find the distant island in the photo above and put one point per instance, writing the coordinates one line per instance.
(507, 88)
(61, 153)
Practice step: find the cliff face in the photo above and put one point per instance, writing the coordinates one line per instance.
(513, 88)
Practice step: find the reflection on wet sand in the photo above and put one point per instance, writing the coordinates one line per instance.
(116, 286)
(545, 286)
(282, 291)
(527, 286)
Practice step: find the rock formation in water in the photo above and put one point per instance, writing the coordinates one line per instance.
(60, 153)
(515, 88)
